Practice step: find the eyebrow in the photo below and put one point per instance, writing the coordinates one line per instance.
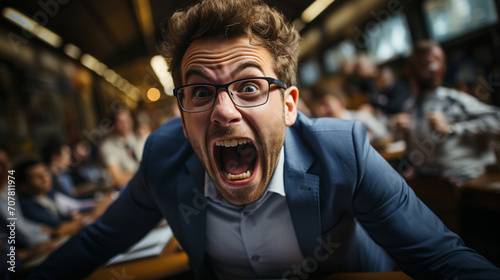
(199, 72)
(195, 72)
(248, 64)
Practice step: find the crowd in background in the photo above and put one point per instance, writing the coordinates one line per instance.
(67, 186)
(448, 134)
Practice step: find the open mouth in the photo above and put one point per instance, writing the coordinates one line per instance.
(236, 158)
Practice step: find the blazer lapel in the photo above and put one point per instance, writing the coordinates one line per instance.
(302, 193)
(192, 210)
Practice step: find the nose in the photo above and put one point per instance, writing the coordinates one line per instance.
(224, 111)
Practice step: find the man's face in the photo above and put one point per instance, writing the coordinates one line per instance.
(329, 106)
(124, 123)
(63, 160)
(241, 173)
(39, 179)
(429, 68)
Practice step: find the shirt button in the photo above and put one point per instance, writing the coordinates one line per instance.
(255, 258)
(245, 213)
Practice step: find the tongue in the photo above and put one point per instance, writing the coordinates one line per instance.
(238, 160)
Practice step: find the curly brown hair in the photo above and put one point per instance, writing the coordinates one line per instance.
(227, 19)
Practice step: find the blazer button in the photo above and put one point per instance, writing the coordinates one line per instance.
(255, 258)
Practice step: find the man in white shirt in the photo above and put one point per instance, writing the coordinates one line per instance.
(122, 150)
(448, 131)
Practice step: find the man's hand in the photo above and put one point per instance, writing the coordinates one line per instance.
(438, 122)
(403, 121)
(38, 249)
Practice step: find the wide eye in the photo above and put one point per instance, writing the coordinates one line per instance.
(200, 92)
(248, 87)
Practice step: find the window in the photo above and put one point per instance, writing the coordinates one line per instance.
(310, 72)
(448, 19)
(389, 39)
(335, 56)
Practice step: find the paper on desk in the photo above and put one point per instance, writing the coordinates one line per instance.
(395, 147)
(494, 185)
(151, 245)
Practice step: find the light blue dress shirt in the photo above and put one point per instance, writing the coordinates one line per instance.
(241, 240)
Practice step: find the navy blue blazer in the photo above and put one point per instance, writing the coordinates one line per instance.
(36, 212)
(345, 201)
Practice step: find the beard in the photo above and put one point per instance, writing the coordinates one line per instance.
(268, 155)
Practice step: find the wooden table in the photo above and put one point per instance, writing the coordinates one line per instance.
(393, 150)
(394, 275)
(479, 212)
(170, 262)
(483, 191)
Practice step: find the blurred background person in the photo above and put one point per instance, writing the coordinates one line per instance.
(86, 165)
(32, 238)
(385, 95)
(447, 131)
(331, 101)
(43, 205)
(57, 156)
(121, 151)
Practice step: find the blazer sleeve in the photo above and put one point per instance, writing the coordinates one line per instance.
(400, 223)
(124, 223)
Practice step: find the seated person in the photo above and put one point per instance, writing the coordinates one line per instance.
(21, 253)
(28, 233)
(31, 238)
(447, 131)
(57, 156)
(252, 189)
(332, 102)
(121, 151)
(86, 164)
(42, 204)
(385, 93)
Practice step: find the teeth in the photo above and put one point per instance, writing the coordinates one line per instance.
(241, 176)
(231, 142)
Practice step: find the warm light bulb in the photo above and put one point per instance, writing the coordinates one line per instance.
(153, 94)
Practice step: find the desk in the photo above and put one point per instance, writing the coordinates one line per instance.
(479, 212)
(394, 275)
(392, 151)
(483, 191)
(169, 263)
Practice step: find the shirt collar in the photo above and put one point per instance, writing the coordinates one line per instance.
(276, 185)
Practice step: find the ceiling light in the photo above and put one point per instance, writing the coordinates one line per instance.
(159, 65)
(32, 26)
(89, 61)
(72, 51)
(153, 94)
(110, 76)
(19, 18)
(315, 9)
(49, 37)
(298, 24)
(93, 64)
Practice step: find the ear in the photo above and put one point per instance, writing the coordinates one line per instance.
(291, 98)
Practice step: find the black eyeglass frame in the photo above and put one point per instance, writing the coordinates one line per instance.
(271, 81)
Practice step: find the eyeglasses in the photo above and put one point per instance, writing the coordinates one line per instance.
(245, 93)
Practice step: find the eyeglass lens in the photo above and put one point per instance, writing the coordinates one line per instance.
(245, 93)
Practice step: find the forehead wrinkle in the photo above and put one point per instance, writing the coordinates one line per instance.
(218, 59)
(246, 65)
(218, 53)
